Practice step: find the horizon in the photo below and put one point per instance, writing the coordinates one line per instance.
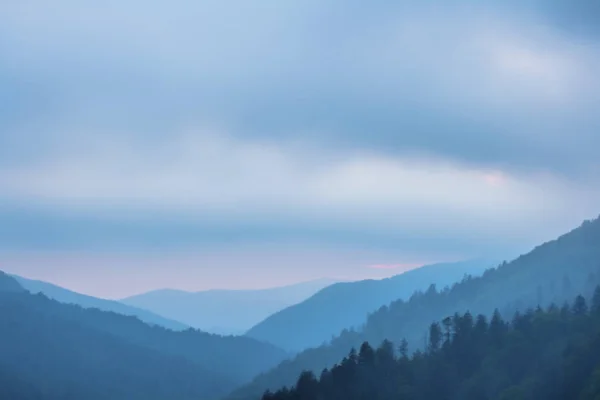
(388, 271)
(397, 270)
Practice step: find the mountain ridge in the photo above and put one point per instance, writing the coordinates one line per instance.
(68, 296)
(77, 352)
(229, 311)
(550, 273)
(321, 281)
(346, 304)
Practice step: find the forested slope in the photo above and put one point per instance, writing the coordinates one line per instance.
(343, 305)
(551, 354)
(64, 351)
(552, 272)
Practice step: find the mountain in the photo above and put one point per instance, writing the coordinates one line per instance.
(9, 284)
(552, 272)
(224, 311)
(551, 354)
(12, 387)
(63, 295)
(346, 304)
(56, 350)
(48, 352)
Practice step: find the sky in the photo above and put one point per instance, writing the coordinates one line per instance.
(235, 144)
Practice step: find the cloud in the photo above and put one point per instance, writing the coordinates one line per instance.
(448, 129)
(498, 86)
(208, 172)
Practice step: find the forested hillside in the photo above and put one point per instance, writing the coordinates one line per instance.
(47, 355)
(12, 387)
(552, 272)
(343, 305)
(551, 354)
(65, 351)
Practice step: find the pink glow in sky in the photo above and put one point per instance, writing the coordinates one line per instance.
(495, 178)
(239, 159)
(120, 275)
(403, 267)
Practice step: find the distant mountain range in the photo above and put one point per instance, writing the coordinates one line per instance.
(52, 350)
(63, 295)
(224, 311)
(551, 273)
(346, 304)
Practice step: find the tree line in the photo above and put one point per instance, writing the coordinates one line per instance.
(551, 353)
(553, 272)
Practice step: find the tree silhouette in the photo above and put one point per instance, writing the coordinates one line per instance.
(546, 354)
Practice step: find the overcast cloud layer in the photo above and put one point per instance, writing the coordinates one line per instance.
(399, 131)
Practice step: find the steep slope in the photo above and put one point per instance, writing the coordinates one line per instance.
(67, 347)
(9, 285)
(12, 387)
(48, 354)
(63, 295)
(552, 272)
(61, 358)
(550, 355)
(345, 305)
(224, 311)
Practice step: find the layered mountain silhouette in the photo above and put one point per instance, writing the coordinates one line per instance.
(53, 350)
(345, 305)
(550, 354)
(551, 273)
(63, 295)
(224, 311)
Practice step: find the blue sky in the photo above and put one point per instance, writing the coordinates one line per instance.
(201, 144)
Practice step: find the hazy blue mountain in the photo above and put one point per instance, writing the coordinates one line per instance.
(550, 354)
(62, 350)
(551, 273)
(9, 284)
(224, 311)
(49, 353)
(68, 296)
(346, 304)
(12, 387)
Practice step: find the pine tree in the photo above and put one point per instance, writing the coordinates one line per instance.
(550, 355)
(580, 306)
(307, 387)
(497, 328)
(447, 322)
(596, 301)
(403, 348)
(366, 354)
(435, 336)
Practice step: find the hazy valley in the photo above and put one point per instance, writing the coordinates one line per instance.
(299, 200)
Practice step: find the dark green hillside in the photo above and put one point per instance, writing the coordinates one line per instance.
(67, 359)
(551, 355)
(552, 272)
(239, 358)
(65, 351)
